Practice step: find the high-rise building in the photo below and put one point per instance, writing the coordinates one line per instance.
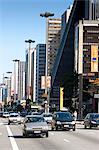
(64, 62)
(33, 77)
(52, 41)
(65, 18)
(40, 71)
(21, 80)
(92, 9)
(86, 61)
(28, 75)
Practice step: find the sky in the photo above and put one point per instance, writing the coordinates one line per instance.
(19, 21)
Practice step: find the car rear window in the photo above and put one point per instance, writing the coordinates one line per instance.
(35, 119)
(95, 116)
(64, 117)
(47, 115)
(14, 115)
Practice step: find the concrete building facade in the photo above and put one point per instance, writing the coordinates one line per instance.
(52, 41)
(87, 62)
(40, 71)
(64, 62)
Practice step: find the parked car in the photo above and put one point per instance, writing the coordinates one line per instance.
(35, 124)
(63, 120)
(47, 117)
(5, 114)
(14, 118)
(91, 120)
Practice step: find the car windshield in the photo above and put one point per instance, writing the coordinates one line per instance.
(64, 117)
(6, 113)
(95, 116)
(14, 115)
(47, 115)
(35, 119)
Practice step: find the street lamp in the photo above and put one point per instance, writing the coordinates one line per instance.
(15, 60)
(46, 15)
(29, 69)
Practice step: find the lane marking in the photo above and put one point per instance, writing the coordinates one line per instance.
(0, 133)
(52, 133)
(1, 123)
(65, 140)
(12, 140)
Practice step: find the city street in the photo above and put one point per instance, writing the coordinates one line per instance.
(82, 139)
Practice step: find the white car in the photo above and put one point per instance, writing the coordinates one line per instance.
(14, 118)
(5, 114)
(47, 117)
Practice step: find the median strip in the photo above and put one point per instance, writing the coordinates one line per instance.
(12, 140)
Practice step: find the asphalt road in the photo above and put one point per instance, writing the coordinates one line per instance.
(82, 139)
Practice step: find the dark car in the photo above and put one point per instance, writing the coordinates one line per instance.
(63, 120)
(91, 120)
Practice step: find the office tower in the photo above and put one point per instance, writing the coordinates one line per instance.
(64, 62)
(40, 71)
(65, 18)
(28, 75)
(52, 41)
(86, 62)
(21, 80)
(92, 9)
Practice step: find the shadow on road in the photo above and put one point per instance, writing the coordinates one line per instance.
(30, 136)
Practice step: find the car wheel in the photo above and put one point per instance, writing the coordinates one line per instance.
(74, 128)
(56, 128)
(85, 126)
(46, 134)
(9, 123)
(52, 128)
(25, 134)
(90, 126)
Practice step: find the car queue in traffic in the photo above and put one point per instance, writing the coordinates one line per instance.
(36, 123)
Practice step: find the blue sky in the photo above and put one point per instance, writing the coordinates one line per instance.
(20, 20)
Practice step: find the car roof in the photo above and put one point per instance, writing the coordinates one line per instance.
(5, 112)
(47, 113)
(93, 113)
(61, 112)
(27, 116)
(14, 113)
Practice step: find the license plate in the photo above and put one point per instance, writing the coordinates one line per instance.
(37, 131)
(65, 126)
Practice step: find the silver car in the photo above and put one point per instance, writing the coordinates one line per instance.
(35, 124)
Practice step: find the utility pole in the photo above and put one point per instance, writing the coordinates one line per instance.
(29, 69)
(46, 15)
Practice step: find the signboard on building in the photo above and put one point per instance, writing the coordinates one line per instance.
(45, 82)
(96, 95)
(94, 58)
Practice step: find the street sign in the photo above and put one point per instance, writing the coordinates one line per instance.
(45, 82)
(96, 95)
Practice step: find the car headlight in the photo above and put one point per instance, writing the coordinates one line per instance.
(93, 122)
(58, 122)
(45, 128)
